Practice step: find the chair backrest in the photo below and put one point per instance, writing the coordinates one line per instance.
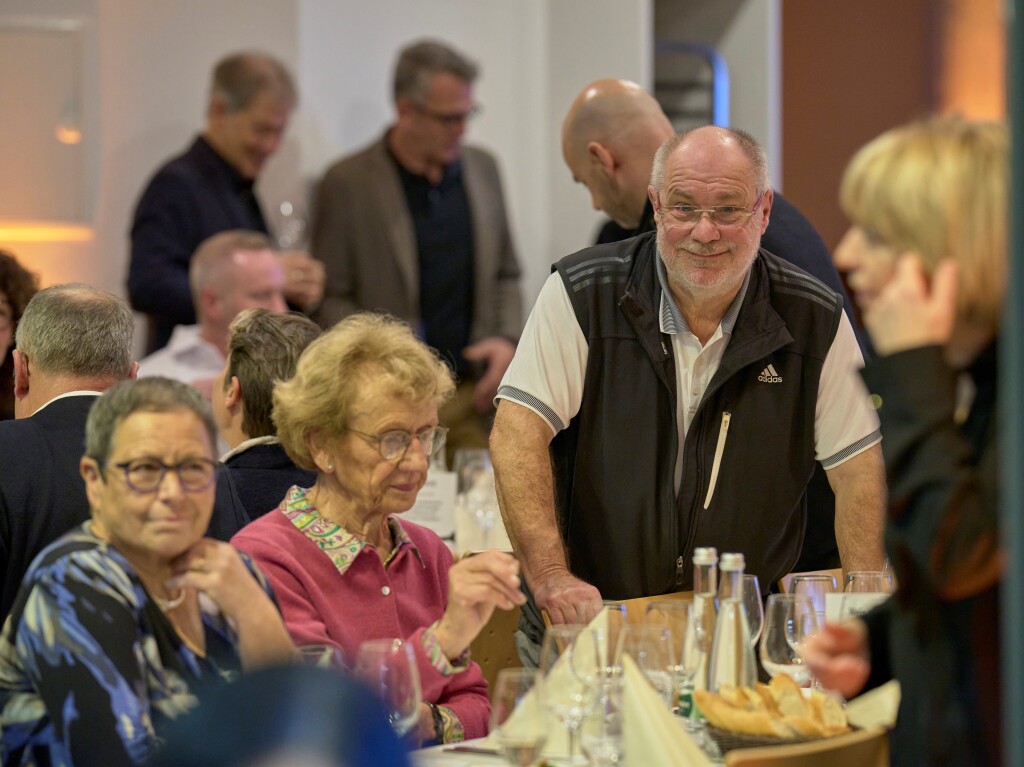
(494, 647)
(861, 748)
(837, 573)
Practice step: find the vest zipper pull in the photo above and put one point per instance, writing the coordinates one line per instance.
(664, 348)
(680, 563)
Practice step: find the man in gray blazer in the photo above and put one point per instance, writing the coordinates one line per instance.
(415, 225)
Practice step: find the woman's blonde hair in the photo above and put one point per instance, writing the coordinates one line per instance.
(940, 187)
(362, 352)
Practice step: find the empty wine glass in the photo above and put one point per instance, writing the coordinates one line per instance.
(518, 722)
(570, 666)
(815, 586)
(322, 656)
(650, 646)
(388, 666)
(687, 649)
(868, 581)
(755, 607)
(784, 615)
(472, 467)
(601, 732)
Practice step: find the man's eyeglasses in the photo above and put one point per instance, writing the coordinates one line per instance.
(450, 120)
(392, 445)
(720, 215)
(144, 475)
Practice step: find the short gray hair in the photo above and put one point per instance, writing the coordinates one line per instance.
(77, 330)
(145, 395)
(239, 78)
(422, 59)
(753, 151)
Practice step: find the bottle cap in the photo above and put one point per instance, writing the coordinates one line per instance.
(732, 561)
(705, 556)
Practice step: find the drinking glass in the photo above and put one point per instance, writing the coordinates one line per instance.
(570, 666)
(650, 646)
(322, 656)
(868, 581)
(601, 733)
(521, 736)
(780, 640)
(472, 467)
(815, 586)
(687, 649)
(755, 607)
(388, 666)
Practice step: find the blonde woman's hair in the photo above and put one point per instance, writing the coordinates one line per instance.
(362, 353)
(940, 187)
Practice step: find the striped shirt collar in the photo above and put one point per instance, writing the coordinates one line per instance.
(672, 321)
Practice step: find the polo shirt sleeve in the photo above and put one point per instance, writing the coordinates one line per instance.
(845, 423)
(547, 372)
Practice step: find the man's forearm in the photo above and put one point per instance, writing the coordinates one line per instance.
(859, 485)
(525, 485)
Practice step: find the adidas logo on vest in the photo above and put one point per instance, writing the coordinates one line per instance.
(769, 375)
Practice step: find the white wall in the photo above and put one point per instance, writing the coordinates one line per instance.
(147, 70)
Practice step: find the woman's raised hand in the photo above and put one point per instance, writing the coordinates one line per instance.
(216, 569)
(477, 585)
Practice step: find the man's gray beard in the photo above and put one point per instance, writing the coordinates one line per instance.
(681, 279)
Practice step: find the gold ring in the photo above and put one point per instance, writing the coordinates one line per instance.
(199, 564)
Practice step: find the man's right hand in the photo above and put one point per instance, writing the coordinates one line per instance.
(566, 598)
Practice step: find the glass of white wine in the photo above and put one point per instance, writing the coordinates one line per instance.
(518, 719)
(788, 619)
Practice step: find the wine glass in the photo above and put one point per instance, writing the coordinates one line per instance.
(687, 649)
(815, 586)
(388, 666)
(570, 666)
(517, 721)
(322, 656)
(751, 588)
(601, 732)
(472, 467)
(868, 581)
(781, 637)
(650, 646)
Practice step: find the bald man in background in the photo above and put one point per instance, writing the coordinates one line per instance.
(609, 138)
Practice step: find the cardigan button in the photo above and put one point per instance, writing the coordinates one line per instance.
(385, 590)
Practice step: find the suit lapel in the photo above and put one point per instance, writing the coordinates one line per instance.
(390, 199)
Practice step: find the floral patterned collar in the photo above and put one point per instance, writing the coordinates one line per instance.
(337, 543)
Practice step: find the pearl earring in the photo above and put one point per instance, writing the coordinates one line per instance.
(330, 467)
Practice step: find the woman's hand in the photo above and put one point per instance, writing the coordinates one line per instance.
(216, 569)
(838, 656)
(476, 585)
(909, 313)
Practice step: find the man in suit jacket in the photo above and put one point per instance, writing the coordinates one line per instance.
(415, 225)
(73, 342)
(209, 189)
(263, 348)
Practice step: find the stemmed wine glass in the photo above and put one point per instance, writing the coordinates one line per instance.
(755, 607)
(388, 666)
(571, 668)
(322, 656)
(517, 721)
(687, 649)
(789, 619)
(815, 586)
(650, 646)
(868, 581)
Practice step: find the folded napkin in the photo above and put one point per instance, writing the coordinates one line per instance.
(876, 707)
(651, 735)
(557, 745)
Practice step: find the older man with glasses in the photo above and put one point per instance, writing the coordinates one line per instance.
(682, 384)
(415, 225)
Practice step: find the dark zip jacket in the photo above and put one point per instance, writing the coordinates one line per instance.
(749, 452)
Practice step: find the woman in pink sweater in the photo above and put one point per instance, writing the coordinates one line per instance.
(361, 412)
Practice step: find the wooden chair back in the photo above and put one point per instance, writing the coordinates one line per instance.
(861, 748)
(494, 647)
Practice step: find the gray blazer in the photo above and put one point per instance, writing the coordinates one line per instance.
(364, 235)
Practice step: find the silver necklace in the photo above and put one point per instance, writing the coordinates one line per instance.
(170, 604)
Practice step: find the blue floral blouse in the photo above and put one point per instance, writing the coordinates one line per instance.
(90, 667)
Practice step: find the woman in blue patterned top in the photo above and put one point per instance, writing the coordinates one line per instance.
(119, 622)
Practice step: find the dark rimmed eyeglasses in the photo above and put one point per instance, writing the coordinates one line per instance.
(144, 475)
(393, 445)
(450, 120)
(720, 215)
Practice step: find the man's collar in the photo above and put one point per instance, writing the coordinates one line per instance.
(237, 181)
(672, 321)
(241, 447)
(75, 393)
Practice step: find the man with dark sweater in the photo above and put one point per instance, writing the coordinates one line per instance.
(263, 348)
